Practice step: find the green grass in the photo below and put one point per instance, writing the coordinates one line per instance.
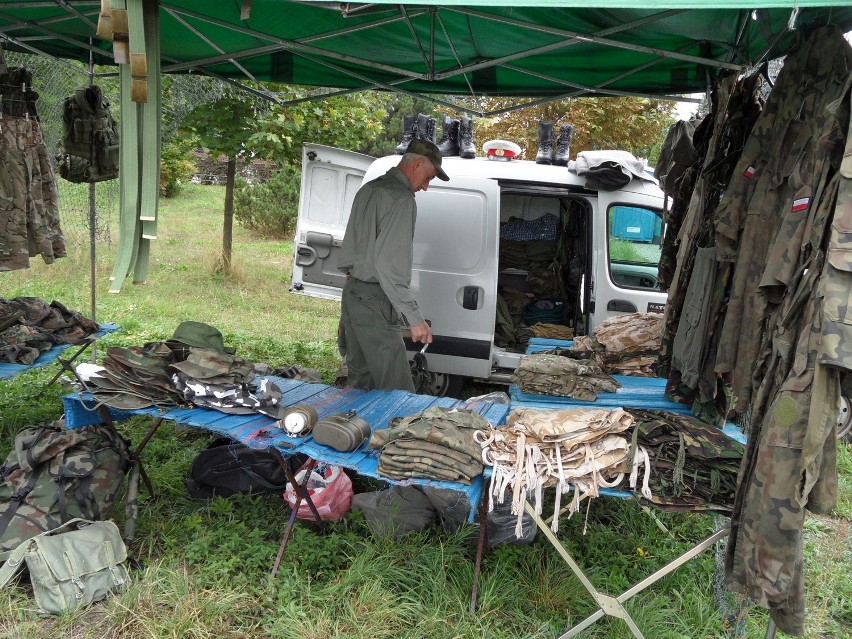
(205, 565)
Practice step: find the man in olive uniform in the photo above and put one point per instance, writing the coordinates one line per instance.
(376, 255)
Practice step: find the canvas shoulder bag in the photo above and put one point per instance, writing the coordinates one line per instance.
(71, 566)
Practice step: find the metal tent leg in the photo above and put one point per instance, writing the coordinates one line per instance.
(302, 495)
(607, 604)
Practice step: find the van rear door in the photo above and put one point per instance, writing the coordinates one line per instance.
(330, 179)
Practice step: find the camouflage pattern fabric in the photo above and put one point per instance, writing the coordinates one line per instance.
(547, 374)
(719, 139)
(263, 396)
(136, 377)
(790, 462)
(693, 465)
(437, 443)
(782, 169)
(625, 345)
(579, 449)
(53, 475)
(29, 204)
(30, 326)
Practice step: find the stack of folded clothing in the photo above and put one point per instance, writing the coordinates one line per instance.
(626, 344)
(694, 465)
(30, 326)
(564, 376)
(134, 377)
(573, 448)
(438, 443)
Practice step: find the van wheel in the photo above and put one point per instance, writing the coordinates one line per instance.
(445, 385)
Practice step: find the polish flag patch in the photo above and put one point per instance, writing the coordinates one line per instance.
(749, 172)
(801, 204)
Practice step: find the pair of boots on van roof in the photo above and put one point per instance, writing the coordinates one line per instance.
(546, 154)
(456, 138)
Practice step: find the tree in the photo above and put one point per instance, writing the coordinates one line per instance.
(347, 122)
(222, 127)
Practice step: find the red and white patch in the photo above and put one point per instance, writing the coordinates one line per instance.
(749, 172)
(801, 204)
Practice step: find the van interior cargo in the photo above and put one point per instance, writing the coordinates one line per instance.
(543, 260)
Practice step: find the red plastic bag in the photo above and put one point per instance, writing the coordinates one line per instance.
(330, 490)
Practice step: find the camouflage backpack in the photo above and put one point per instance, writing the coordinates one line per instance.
(53, 475)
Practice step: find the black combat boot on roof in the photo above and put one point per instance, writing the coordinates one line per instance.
(467, 147)
(431, 130)
(448, 145)
(563, 145)
(545, 143)
(422, 126)
(409, 132)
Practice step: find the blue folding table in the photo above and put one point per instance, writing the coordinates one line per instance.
(261, 432)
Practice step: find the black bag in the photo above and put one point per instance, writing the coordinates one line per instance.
(227, 467)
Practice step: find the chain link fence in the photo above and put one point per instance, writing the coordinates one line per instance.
(54, 79)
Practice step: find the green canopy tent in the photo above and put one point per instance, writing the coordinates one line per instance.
(549, 49)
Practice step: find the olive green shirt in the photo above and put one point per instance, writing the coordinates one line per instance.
(378, 244)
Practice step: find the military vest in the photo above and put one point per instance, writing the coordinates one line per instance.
(89, 151)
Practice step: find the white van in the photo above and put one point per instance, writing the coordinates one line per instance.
(469, 235)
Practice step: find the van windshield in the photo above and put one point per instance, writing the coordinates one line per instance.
(635, 236)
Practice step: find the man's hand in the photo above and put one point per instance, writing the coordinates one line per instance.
(421, 333)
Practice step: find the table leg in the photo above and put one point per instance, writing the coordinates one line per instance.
(481, 545)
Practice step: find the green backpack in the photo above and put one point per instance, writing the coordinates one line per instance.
(54, 474)
(90, 147)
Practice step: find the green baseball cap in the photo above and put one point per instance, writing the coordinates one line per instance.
(430, 151)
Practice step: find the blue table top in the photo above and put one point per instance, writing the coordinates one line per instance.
(259, 431)
(8, 370)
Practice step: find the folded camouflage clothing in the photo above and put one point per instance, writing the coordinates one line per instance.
(625, 345)
(30, 326)
(437, 443)
(573, 449)
(694, 465)
(549, 374)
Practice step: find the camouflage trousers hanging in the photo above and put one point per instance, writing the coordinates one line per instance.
(29, 208)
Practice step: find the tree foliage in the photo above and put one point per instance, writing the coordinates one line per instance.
(347, 122)
(637, 125)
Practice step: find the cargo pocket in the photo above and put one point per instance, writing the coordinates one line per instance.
(837, 306)
(108, 153)
(379, 304)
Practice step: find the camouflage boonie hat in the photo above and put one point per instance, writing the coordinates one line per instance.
(199, 335)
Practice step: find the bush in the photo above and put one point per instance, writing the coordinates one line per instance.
(176, 167)
(270, 207)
